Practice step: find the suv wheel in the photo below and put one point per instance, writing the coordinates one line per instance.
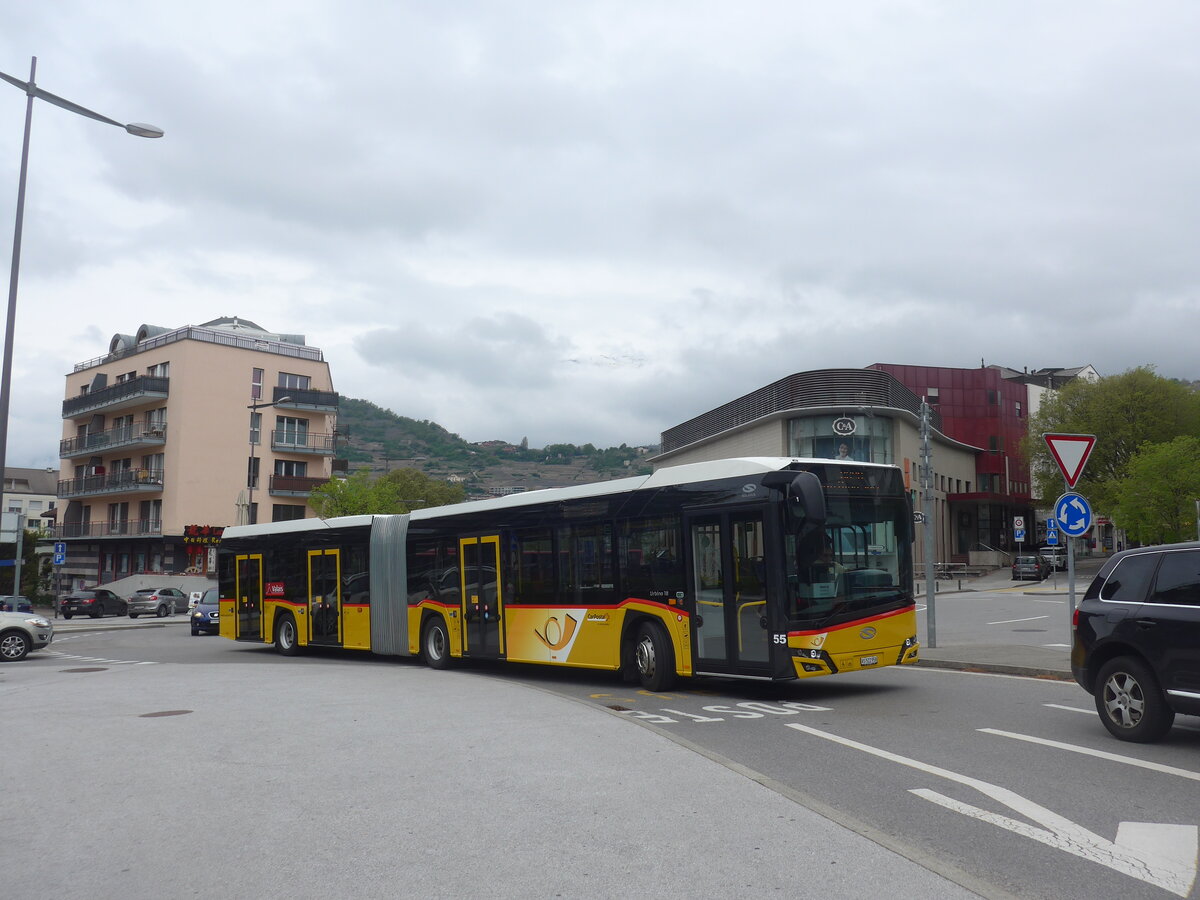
(1130, 702)
(14, 645)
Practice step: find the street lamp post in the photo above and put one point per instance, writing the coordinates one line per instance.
(251, 473)
(33, 91)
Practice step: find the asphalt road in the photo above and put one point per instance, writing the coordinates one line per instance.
(507, 781)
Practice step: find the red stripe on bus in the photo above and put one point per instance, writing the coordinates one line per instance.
(854, 624)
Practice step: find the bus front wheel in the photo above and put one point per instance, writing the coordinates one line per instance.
(653, 659)
(285, 636)
(435, 644)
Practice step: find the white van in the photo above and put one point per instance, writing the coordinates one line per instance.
(1055, 556)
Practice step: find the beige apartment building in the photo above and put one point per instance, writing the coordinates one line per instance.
(175, 433)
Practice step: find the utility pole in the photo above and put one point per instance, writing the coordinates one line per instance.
(927, 507)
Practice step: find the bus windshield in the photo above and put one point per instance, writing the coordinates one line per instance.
(852, 567)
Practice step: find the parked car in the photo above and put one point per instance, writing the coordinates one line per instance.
(1136, 640)
(205, 615)
(1025, 567)
(95, 603)
(15, 603)
(1055, 556)
(157, 602)
(21, 633)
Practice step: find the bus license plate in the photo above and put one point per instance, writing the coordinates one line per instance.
(868, 660)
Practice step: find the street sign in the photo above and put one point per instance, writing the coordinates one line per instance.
(60, 558)
(1074, 514)
(1070, 452)
(60, 547)
(1051, 538)
(1018, 523)
(1019, 535)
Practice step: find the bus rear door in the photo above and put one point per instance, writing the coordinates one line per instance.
(248, 584)
(325, 597)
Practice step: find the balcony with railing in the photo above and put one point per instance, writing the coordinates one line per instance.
(292, 441)
(308, 401)
(125, 481)
(134, 392)
(117, 529)
(129, 437)
(293, 485)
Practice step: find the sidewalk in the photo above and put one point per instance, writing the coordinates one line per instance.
(1009, 659)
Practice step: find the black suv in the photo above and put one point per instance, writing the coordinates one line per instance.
(1136, 645)
(94, 603)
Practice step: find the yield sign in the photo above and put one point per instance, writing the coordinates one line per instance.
(1071, 452)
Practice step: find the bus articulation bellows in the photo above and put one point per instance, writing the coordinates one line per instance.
(764, 568)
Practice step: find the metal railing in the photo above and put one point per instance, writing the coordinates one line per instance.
(126, 528)
(121, 436)
(293, 484)
(113, 482)
(212, 336)
(302, 442)
(149, 385)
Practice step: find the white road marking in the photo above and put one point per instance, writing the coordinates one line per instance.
(1162, 855)
(99, 659)
(1099, 754)
(1011, 621)
(1057, 646)
(1090, 712)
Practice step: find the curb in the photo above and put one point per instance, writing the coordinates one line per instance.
(996, 669)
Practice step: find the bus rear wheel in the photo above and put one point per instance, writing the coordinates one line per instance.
(652, 657)
(435, 644)
(285, 636)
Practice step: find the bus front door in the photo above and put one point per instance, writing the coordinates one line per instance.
(325, 597)
(728, 580)
(482, 603)
(248, 585)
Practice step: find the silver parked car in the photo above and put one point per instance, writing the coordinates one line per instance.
(22, 632)
(157, 602)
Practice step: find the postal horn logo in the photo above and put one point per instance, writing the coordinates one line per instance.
(867, 633)
(555, 635)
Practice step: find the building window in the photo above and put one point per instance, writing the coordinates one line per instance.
(815, 437)
(286, 512)
(291, 431)
(1018, 402)
(252, 472)
(994, 443)
(291, 467)
(255, 427)
(159, 370)
(991, 398)
(294, 382)
(256, 384)
(931, 396)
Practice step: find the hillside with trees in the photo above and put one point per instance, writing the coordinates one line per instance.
(382, 441)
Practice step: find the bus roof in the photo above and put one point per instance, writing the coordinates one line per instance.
(668, 476)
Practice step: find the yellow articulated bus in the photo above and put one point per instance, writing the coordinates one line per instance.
(764, 568)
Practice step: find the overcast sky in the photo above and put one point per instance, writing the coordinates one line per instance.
(588, 222)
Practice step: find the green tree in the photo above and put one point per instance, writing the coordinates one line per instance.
(399, 491)
(1156, 502)
(1124, 412)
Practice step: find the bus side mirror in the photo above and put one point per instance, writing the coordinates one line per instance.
(803, 496)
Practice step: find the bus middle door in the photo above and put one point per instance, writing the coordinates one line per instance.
(482, 603)
(325, 597)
